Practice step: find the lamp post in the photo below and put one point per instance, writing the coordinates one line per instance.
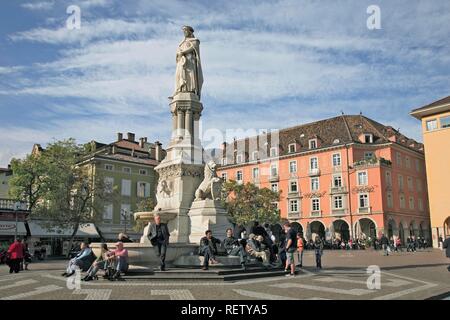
(124, 214)
(16, 208)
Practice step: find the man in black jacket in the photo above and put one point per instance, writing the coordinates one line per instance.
(446, 246)
(159, 238)
(208, 249)
(234, 248)
(385, 244)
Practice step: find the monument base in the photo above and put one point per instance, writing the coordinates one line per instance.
(207, 215)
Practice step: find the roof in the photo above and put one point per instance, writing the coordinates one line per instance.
(438, 106)
(128, 158)
(334, 131)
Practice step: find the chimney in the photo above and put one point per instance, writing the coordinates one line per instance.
(131, 136)
(119, 136)
(158, 151)
(141, 142)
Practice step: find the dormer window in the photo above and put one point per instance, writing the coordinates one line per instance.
(336, 141)
(273, 152)
(313, 143)
(368, 138)
(239, 158)
(292, 148)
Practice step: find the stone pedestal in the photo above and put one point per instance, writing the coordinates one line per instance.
(207, 214)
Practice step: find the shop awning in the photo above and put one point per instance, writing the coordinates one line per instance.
(85, 231)
(8, 228)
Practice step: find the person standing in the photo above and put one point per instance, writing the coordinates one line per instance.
(384, 244)
(300, 248)
(318, 250)
(159, 238)
(16, 256)
(291, 247)
(446, 246)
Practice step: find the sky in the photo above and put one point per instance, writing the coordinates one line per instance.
(266, 64)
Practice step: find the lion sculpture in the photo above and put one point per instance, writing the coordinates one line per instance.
(211, 185)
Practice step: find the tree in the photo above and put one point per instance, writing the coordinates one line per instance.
(66, 195)
(144, 206)
(246, 203)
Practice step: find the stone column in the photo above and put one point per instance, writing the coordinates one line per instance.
(180, 118)
(188, 125)
(174, 125)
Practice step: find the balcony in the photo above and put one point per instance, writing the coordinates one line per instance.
(274, 178)
(366, 210)
(294, 215)
(371, 162)
(340, 189)
(316, 214)
(339, 212)
(294, 194)
(314, 172)
(337, 169)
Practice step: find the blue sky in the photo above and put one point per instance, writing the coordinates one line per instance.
(266, 65)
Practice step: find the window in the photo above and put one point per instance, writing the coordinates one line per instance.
(368, 155)
(254, 155)
(408, 162)
(399, 159)
(239, 158)
(431, 125)
(143, 172)
(109, 184)
(337, 202)
(420, 204)
(411, 202)
(239, 176)
(274, 187)
(273, 152)
(362, 178)
(315, 204)
(292, 148)
(410, 184)
(419, 185)
(364, 200)
(293, 186)
(402, 201)
(368, 138)
(292, 166)
(255, 173)
(224, 161)
(445, 122)
(314, 184)
(313, 143)
(390, 200)
(337, 181)
(143, 189)
(125, 212)
(293, 205)
(388, 178)
(417, 165)
(313, 164)
(224, 176)
(126, 169)
(400, 182)
(109, 167)
(126, 187)
(108, 212)
(273, 170)
(336, 159)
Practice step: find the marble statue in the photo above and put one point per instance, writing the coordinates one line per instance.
(210, 187)
(188, 76)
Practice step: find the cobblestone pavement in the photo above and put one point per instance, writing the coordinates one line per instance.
(404, 275)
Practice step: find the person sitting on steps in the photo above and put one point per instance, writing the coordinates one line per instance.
(234, 248)
(208, 249)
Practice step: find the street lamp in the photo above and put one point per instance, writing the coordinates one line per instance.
(17, 206)
(125, 215)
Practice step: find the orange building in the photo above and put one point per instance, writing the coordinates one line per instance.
(348, 176)
(435, 119)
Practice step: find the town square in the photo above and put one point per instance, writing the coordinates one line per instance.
(224, 151)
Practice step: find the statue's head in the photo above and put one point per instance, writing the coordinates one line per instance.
(211, 165)
(188, 31)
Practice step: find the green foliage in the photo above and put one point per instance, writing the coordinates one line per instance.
(144, 205)
(247, 202)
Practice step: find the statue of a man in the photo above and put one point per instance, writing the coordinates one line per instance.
(188, 76)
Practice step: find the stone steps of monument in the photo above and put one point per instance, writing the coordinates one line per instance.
(196, 274)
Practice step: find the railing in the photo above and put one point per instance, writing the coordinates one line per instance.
(337, 168)
(339, 212)
(294, 215)
(314, 172)
(316, 213)
(372, 162)
(274, 178)
(365, 210)
(13, 205)
(341, 189)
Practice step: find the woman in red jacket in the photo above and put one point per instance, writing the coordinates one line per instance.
(16, 256)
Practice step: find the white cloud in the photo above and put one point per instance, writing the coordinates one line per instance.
(43, 5)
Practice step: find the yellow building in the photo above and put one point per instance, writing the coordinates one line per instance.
(435, 119)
